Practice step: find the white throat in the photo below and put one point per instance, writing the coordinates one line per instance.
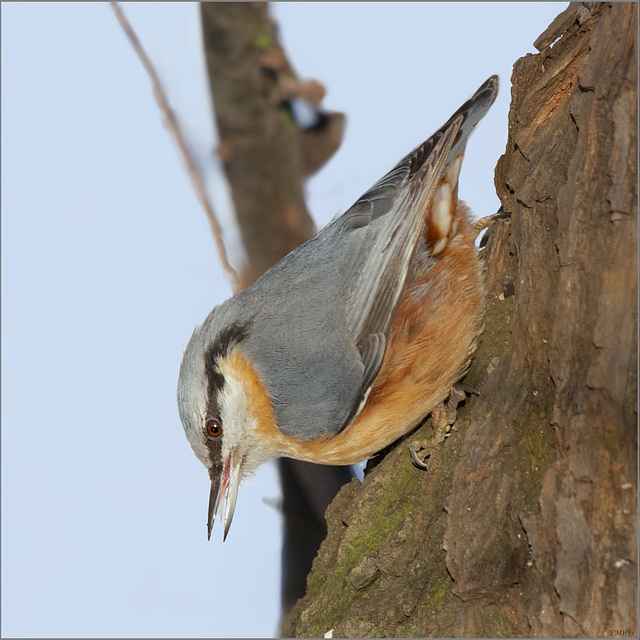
(239, 427)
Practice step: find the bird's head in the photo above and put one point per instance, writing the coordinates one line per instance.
(218, 411)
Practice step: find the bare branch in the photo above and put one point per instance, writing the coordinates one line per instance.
(173, 126)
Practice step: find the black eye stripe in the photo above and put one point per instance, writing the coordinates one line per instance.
(227, 338)
(221, 346)
(214, 446)
(215, 380)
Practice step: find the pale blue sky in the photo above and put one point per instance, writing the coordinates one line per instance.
(108, 264)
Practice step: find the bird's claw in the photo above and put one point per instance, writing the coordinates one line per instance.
(415, 458)
(487, 221)
(465, 388)
(443, 416)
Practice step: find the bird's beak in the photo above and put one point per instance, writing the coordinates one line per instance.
(224, 486)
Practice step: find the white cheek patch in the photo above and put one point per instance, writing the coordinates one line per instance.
(234, 412)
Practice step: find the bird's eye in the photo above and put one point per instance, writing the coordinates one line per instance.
(213, 428)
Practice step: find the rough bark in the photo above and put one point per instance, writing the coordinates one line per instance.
(526, 522)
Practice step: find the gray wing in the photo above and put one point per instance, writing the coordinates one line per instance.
(320, 318)
(399, 200)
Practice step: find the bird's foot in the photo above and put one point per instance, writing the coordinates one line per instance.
(443, 416)
(487, 221)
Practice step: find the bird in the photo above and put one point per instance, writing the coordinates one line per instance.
(352, 339)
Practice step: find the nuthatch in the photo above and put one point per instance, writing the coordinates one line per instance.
(348, 342)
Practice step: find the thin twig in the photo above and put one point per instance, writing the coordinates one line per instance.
(174, 128)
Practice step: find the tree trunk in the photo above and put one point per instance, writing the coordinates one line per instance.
(525, 523)
(266, 155)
